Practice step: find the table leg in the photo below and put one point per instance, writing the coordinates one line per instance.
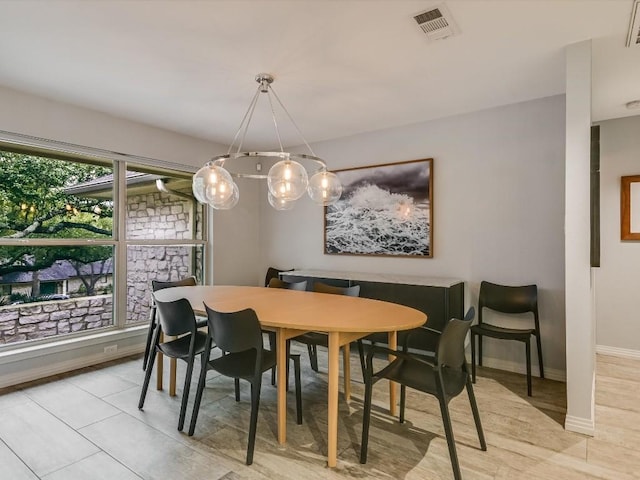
(393, 344)
(172, 377)
(159, 366)
(346, 368)
(332, 414)
(281, 369)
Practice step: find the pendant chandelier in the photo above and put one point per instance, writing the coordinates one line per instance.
(290, 175)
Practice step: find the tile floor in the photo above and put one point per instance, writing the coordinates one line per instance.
(86, 425)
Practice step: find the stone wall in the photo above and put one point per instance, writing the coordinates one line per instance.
(157, 216)
(149, 216)
(30, 321)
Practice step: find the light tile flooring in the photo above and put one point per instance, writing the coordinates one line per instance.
(86, 425)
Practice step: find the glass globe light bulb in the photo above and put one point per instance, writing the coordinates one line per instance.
(231, 202)
(325, 188)
(206, 183)
(279, 203)
(287, 180)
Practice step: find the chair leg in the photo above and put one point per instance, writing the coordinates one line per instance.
(479, 350)
(313, 357)
(366, 418)
(403, 398)
(200, 389)
(539, 343)
(147, 376)
(236, 384)
(298, 381)
(362, 362)
(451, 443)
(147, 347)
(185, 392)
(476, 414)
(255, 404)
(473, 357)
(528, 345)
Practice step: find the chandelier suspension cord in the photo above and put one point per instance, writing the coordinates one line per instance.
(248, 113)
(292, 120)
(273, 115)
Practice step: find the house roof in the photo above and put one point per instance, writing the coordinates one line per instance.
(60, 270)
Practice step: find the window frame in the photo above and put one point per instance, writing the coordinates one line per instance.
(119, 242)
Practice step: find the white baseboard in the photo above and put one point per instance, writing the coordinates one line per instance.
(585, 426)
(516, 367)
(618, 352)
(56, 368)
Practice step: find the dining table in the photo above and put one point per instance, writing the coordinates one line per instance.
(291, 313)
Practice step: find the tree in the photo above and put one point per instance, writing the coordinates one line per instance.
(34, 203)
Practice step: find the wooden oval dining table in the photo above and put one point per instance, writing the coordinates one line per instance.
(290, 313)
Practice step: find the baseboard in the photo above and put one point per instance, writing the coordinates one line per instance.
(618, 352)
(585, 426)
(509, 366)
(56, 368)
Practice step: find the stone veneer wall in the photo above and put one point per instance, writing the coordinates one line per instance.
(150, 216)
(157, 216)
(30, 321)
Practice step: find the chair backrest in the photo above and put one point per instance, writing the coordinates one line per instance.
(176, 317)
(353, 291)
(507, 299)
(273, 272)
(235, 331)
(450, 352)
(185, 282)
(277, 283)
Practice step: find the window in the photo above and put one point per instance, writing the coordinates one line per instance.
(164, 229)
(60, 215)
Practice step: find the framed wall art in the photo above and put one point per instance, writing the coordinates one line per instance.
(385, 210)
(630, 208)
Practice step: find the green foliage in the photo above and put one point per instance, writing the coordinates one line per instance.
(33, 204)
(32, 195)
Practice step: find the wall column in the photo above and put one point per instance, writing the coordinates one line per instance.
(580, 321)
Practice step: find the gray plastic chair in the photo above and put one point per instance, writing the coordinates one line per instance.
(175, 319)
(512, 300)
(313, 339)
(238, 334)
(445, 377)
(155, 286)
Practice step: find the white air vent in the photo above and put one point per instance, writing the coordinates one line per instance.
(633, 37)
(436, 23)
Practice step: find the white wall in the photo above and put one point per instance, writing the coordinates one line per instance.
(618, 298)
(498, 210)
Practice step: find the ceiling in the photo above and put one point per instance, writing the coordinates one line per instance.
(341, 67)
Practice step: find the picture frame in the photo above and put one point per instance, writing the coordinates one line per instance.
(385, 210)
(630, 207)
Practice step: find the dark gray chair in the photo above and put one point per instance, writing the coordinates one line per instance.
(238, 334)
(445, 377)
(273, 272)
(313, 339)
(175, 319)
(155, 286)
(512, 300)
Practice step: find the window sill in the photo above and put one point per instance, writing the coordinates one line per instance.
(32, 362)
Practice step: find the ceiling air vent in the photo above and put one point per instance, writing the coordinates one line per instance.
(436, 23)
(633, 37)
